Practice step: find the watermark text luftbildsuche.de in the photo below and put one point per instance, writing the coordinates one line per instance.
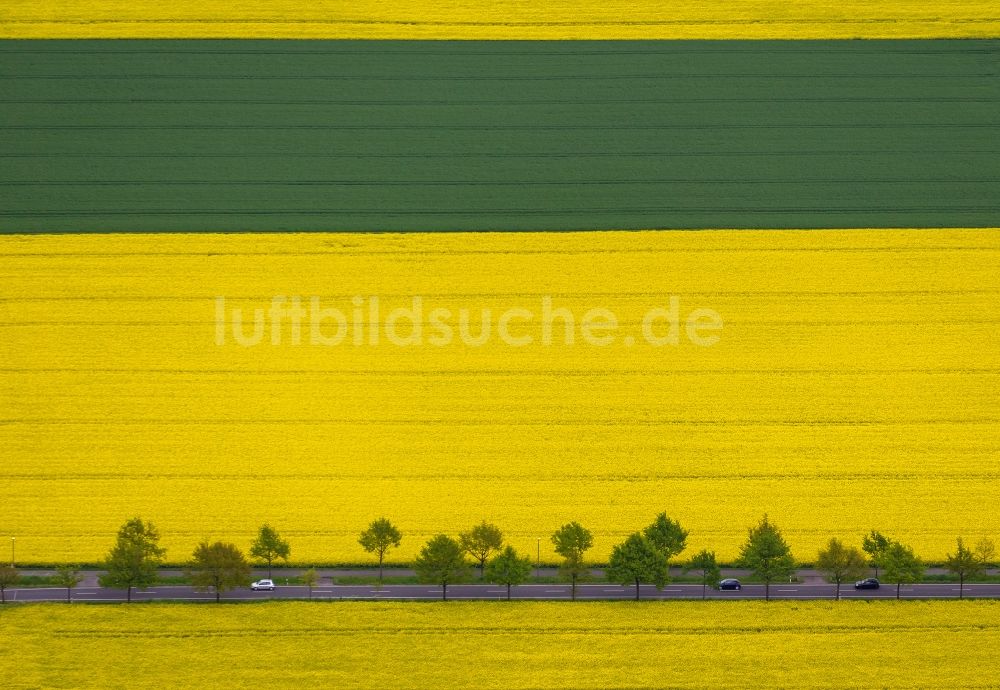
(364, 321)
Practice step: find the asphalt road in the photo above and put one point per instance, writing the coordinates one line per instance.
(523, 592)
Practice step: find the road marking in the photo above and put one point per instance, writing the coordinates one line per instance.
(40, 589)
(594, 591)
(407, 597)
(918, 597)
(210, 597)
(122, 599)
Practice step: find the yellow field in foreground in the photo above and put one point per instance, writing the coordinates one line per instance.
(487, 19)
(499, 645)
(854, 386)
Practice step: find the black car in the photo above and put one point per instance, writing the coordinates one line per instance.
(867, 583)
(730, 583)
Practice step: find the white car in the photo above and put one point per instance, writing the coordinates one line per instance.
(263, 584)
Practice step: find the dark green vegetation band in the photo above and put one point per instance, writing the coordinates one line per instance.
(430, 135)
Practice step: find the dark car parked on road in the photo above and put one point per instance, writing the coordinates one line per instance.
(730, 583)
(867, 583)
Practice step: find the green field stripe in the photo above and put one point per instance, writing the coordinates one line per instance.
(467, 135)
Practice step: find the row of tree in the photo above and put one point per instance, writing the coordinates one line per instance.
(642, 558)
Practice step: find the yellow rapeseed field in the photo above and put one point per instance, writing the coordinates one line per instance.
(489, 19)
(854, 386)
(500, 645)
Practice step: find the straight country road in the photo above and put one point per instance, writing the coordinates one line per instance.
(523, 592)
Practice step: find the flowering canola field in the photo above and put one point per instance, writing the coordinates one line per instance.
(853, 387)
(496, 645)
(512, 19)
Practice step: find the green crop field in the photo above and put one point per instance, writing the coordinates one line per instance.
(466, 135)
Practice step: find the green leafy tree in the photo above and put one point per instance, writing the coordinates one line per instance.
(380, 536)
(571, 541)
(704, 561)
(481, 542)
(269, 546)
(134, 559)
(637, 560)
(8, 578)
(875, 544)
(840, 563)
(309, 579)
(667, 536)
(69, 577)
(963, 563)
(508, 568)
(767, 555)
(901, 566)
(441, 562)
(219, 566)
(986, 552)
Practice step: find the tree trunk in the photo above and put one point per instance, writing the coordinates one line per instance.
(128, 593)
(444, 591)
(69, 595)
(217, 595)
(961, 585)
(573, 588)
(767, 590)
(637, 589)
(704, 585)
(381, 556)
(508, 591)
(268, 567)
(898, 585)
(838, 590)
(3, 595)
